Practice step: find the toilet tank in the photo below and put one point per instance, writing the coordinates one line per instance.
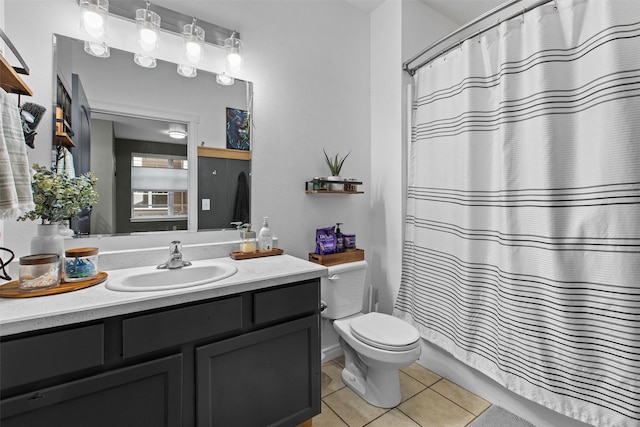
(343, 288)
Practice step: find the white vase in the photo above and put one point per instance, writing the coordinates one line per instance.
(47, 241)
(335, 187)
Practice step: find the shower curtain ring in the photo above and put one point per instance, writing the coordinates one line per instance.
(522, 16)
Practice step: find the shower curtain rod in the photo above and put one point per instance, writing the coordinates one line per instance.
(412, 70)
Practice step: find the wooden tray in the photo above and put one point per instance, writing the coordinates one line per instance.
(256, 254)
(11, 290)
(341, 258)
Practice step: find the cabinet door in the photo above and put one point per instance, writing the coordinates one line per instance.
(270, 377)
(147, 394)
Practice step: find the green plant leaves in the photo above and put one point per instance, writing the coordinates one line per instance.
(335, 164)
(58, 197)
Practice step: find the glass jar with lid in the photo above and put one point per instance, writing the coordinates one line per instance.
(38, 272)
(80, 264)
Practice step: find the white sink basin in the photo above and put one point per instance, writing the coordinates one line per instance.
(159, 280)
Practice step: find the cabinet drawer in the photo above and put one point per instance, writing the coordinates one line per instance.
(281, 303)
(34, 358)
(156, 331)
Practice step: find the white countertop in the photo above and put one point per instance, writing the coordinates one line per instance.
(19, 315)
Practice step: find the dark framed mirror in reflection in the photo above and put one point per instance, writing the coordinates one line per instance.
(157, 141)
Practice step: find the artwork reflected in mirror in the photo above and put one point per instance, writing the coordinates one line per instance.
(238, 128)
(144, 133)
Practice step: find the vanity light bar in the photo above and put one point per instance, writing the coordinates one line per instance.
(172, 21)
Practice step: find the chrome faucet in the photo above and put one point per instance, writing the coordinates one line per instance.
(175, 257)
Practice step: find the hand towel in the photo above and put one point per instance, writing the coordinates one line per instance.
(68, 164)
(15, 179)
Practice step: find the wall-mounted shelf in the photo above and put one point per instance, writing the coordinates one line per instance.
(321, 186)
(9, 78)
(223, 153)
(11, 81)
(62, 138)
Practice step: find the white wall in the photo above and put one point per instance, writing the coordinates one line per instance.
(398, 31)
(309, 62)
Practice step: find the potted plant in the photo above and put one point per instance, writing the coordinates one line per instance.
(335, 166)
(57, 198)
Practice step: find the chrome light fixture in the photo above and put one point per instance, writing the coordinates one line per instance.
(234, 47)
(148, 26)
(193, 42)
(93, 22)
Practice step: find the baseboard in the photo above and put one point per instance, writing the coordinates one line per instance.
(331, 352)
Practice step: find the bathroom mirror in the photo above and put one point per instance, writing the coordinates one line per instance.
(114, 118)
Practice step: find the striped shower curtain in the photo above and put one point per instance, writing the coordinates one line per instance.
(522, 248)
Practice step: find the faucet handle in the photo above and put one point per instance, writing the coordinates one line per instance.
(175, 247)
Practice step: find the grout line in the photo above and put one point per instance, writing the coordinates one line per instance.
(454, 402)
(398, 406)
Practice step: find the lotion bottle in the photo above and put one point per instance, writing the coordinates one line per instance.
(265, 240)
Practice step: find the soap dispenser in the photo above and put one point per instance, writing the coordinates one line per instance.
(248, 244)
(339, 239)
(265, 240)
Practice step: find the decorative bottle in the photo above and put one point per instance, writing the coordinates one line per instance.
(339, 239)
(265, 240)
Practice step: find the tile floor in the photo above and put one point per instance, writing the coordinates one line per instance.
(427, 400)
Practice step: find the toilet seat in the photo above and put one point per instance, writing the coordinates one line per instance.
(385, 332)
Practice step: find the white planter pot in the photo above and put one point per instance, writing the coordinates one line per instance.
(335, 187)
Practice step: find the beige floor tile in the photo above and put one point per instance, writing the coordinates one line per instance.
(422, 374)
(327, 418)
(409, 386)
(351, 408)
(339, 361)
(429, 408)
(393, 418)
(331, 378)
(469, 401)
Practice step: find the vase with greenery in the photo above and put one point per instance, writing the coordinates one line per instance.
(335, 166)
(58, 198)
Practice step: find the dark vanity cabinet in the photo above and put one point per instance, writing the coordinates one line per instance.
(249, 359)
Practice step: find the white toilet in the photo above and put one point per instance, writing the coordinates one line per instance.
(376, 346)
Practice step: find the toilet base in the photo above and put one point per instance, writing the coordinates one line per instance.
(378, 387)
(388, 396)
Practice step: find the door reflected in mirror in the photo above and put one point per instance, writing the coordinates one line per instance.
(144, 133)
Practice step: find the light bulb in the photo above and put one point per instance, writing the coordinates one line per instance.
(193, 49)
(148, 37)
(235, 59)
(93, 23)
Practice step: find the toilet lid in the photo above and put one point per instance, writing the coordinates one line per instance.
(385, 332)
